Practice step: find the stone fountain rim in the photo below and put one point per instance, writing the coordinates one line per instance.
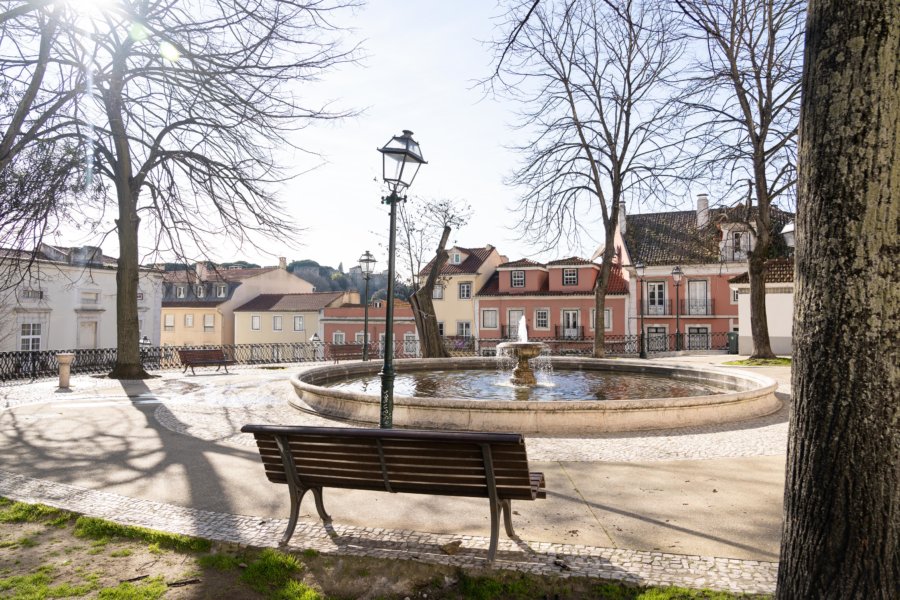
(761, 384)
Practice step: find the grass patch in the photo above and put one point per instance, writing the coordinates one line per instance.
(35, 586)
(271, 570)
(150, 589)
(121, 553)
(20, 512)
(98, 529)
(779, 361)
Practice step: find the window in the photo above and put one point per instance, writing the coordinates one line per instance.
(456, 258)
(221, 290)
(360, 337)
(542, 318)
(200, 291)
(140, 295)
(31, 337)
(734, 296)
(254, 322)
(32, 295)
(338, 337)
(276, 323)
(571, 329)
(169, 322)
(298, 323)
(188, 320)
(698, 338)
(410, 344)
(698, 302)
(438, 292)
(180, 291)
(656, 298)
(90, 297)
(441, 328)
(517, 279)
(465, 290)
(489, 318)
(464, 329)
(607, 319)
(209, 322)
(570, 277)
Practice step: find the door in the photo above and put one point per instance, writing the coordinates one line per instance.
(698, 298)
(657, 339)
(570, 323)
(656, 298)
(698, 338)
(514, 316)
(87, 335)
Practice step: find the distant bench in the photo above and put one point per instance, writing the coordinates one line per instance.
(338, 352)
(203, 358)
(479, 465)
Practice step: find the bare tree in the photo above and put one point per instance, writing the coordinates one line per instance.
(183, 108)
(842, 503)
(748, 92)
(424, 225)
(597, 83)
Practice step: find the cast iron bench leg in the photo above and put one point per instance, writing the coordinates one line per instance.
(296, 498)
(320, 506)
(495, 529)
(507, 517)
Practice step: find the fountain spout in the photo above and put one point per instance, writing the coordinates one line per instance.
(522, 351)
(523, 329)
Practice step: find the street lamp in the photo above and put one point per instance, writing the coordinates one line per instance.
(367, 266)
(639, 269)
(677, 274)
(401, 159)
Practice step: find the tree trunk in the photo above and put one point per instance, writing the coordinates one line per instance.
(756, 263)
(430, 341)
(128, 355)
(609, 251)
(841, 535)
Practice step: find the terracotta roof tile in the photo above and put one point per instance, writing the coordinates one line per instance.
(673, 237)
(778, 270)
(473, 262)
(290, 302)
(573, 261)
(617, 286)
(523, 262)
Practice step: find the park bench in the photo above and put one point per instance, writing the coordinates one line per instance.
(203, 358)
(338, 352)
(479, 465)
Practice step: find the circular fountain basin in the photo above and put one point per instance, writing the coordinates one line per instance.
(744, 396)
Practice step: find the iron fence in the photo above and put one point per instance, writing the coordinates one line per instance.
(31, 365)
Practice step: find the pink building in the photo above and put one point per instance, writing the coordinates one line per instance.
(556, 299)
(346, 325)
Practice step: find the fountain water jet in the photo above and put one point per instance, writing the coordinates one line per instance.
(523, 351)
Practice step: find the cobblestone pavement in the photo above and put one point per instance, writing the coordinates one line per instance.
(213, 407)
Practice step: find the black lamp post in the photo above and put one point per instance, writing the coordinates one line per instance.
(639, 269)
(401, 159)
(367, 266)
(677, 274)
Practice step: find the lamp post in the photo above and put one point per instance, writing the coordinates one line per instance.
(677, 274)
(639, 269)
(401, 159)
(367, 266)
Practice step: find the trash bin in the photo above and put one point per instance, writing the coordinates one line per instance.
(732, 342)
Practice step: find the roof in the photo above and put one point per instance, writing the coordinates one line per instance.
(778, 270)
(572, 261)
(290, 302)
(190, 275)
(523, 262)
(674, 238)
(470, 266)
(617, 286)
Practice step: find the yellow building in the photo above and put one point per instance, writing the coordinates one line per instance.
(285, 318)
(198, 305)
(466, 272)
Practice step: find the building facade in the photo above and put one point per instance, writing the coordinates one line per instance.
(346, 325)
(286, 318)
(779, 307)
(67, 301)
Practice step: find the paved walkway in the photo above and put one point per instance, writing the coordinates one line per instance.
(697, 507)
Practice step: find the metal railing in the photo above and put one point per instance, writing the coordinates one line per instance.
(691, 307)
(31, 365)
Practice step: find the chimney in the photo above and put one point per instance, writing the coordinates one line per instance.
(702, 210)
(282, 263)
(622, 217)
(200, 270)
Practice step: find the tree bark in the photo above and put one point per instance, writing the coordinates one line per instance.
(609, 251)
(430, 341)
(841, 535)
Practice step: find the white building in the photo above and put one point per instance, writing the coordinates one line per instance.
(779, 307)
(67, 300)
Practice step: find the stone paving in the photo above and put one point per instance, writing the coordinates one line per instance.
(213, 408)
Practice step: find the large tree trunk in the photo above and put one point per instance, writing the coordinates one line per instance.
(609, 251)
(128, 355)
(841, 534)
(756, 263)
(430, 341)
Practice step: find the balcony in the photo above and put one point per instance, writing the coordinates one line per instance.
(701, 307)
(657, 308)
(569, 333)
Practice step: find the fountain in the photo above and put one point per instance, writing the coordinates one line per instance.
(522, 351)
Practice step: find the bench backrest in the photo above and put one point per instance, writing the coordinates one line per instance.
(346, 349)
(206, 354)
(398, 460)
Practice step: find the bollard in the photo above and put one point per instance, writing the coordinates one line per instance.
(65, 368)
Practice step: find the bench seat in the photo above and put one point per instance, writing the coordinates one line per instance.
(477, 465)
(204, 358)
